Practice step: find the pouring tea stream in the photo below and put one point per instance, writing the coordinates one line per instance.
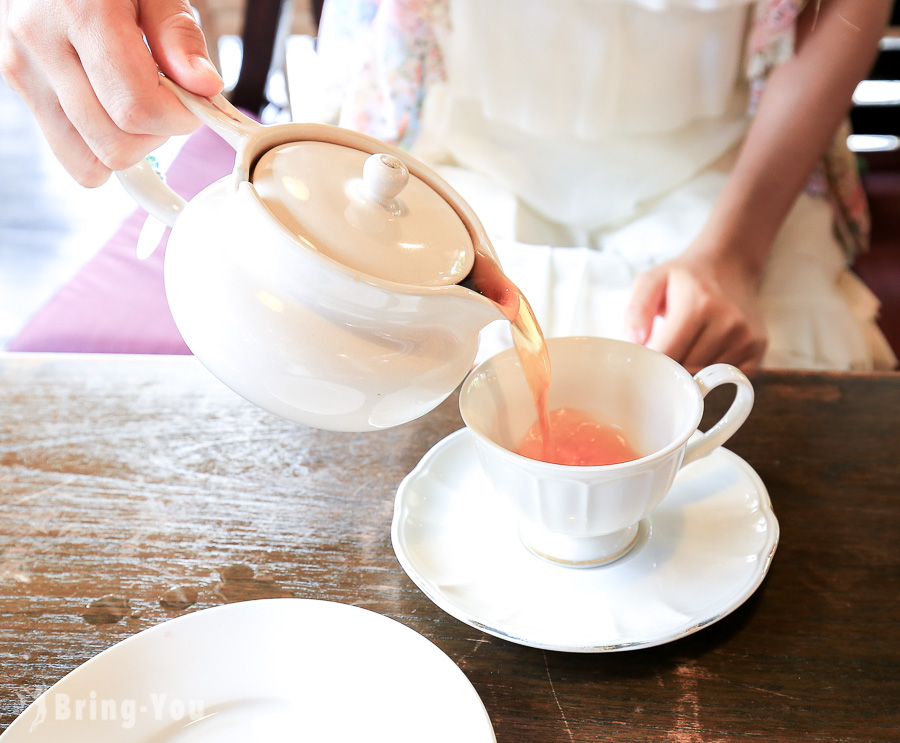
(331, 278)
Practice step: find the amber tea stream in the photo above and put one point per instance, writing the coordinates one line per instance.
(488, 279)
(563, 436)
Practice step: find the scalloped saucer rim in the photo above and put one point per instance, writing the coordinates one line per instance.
(699, 556)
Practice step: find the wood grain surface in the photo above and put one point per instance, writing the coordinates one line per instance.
(137, 489)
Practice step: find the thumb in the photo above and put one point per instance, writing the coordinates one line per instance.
(648, 299)
(178, 45)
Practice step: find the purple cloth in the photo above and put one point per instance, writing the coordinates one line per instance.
(117, 303)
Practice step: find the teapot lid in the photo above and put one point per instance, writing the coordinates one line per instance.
(367, 212)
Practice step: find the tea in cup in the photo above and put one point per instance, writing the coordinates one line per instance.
(609, 401)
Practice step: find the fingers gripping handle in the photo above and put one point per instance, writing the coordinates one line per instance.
(708, 379)
(143, 183)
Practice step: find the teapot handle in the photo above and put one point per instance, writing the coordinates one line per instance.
(149, 190)
(144, 184)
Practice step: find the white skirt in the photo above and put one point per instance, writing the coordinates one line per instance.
(819, 314)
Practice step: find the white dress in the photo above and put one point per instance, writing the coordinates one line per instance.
(592, 138)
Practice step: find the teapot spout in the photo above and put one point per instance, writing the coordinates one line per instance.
(487, 280)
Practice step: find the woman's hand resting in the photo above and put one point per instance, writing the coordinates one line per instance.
(84, 69)
(710, 313)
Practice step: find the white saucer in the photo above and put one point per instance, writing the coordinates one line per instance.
(701, 554)
(272, 670)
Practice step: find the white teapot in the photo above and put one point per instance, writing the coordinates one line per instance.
(320, 280)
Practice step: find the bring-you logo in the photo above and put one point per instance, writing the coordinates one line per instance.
(123, 712)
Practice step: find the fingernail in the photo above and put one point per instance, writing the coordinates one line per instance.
(202, 66)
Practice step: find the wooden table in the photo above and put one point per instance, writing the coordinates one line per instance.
(133, 490)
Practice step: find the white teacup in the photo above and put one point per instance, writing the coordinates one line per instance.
(583, 516)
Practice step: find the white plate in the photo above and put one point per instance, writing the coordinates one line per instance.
(700, 555)
(271, 670)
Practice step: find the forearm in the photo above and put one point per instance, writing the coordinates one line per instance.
(804, 101)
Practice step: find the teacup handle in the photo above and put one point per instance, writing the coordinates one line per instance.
(708, 379)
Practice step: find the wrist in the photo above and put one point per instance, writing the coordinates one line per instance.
(738, 257)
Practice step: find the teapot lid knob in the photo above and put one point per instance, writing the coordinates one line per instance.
(384, 177)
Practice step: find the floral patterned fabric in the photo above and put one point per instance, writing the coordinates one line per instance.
(390, 52)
